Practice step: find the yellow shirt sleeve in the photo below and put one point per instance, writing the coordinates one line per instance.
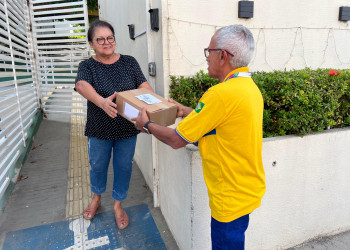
(207, 116)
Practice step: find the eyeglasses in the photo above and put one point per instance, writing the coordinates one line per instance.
(102, 41)
(207, 52)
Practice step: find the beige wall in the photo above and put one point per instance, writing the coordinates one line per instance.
(289, 34)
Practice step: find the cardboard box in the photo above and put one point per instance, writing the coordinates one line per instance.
(159, 110)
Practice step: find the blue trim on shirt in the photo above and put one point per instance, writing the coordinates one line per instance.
(213, 132)
(181, 136)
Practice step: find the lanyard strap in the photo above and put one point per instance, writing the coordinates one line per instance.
(240, 74)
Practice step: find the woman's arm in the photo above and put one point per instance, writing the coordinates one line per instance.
(146, 85)
(107, 104)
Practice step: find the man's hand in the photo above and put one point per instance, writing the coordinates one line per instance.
(181, 109)
(109, 106)
(141, 120)
(164, 134)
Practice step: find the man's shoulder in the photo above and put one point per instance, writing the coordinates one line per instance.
(212, 92)
(219, 89)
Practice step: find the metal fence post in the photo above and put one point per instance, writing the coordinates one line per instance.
(32, 55)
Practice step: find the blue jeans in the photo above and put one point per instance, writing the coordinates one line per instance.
(99, 157)
(229, 235)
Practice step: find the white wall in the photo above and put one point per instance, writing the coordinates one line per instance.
(176, 193)
(307, 189)
(307, 192)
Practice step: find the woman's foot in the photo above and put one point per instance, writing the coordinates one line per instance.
(122, 221)
(91, 209)
(121, 216)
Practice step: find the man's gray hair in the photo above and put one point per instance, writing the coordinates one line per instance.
(239, 41)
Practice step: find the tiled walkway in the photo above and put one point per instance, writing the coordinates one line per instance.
(78, 188)
(45, 207)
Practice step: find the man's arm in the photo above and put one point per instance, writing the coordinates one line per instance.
(164, 134)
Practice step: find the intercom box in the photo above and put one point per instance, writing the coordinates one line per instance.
(245, 9)
(159, 109)
(344, 13)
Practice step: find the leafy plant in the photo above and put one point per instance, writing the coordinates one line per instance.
(295, 102)
(188, 90)
(92, 4)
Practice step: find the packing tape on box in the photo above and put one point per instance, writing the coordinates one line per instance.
(162, 105)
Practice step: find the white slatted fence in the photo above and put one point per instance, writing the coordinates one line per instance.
(41, 45)
(18, 94)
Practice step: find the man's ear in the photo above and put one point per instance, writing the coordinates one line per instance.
(223, 57)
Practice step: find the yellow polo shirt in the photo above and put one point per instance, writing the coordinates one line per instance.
(228, 126)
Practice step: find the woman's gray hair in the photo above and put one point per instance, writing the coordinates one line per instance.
(239, 41)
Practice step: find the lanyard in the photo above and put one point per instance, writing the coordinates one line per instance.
(240, 74)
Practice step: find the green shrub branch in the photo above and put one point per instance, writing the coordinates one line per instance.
(295, 102)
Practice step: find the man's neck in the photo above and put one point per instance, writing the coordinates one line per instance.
(225, 72)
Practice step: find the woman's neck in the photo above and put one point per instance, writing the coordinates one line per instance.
(107, 59)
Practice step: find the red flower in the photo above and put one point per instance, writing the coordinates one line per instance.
(333, 73)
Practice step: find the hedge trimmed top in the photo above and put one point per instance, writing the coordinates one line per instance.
(295, 102)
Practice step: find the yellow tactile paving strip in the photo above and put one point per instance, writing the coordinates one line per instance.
(78, 188)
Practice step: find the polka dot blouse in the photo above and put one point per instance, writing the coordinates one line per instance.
(124, 74)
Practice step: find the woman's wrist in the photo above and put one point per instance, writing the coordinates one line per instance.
(187, 111)
(100, 101)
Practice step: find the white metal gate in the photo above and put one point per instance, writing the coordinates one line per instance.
(41, 45)
(60, 32)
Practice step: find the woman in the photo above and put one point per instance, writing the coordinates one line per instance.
(99, 79)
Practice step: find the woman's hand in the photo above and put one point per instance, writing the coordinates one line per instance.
(85, 89)
(181, 109)
(109, 106)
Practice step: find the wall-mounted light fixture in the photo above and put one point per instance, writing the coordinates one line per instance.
(245, 9)
(154, 19)
(344, 13)
(131, 31)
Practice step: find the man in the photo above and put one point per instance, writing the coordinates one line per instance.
(227, 123)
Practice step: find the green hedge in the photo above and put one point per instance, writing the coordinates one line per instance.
(295, 102)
